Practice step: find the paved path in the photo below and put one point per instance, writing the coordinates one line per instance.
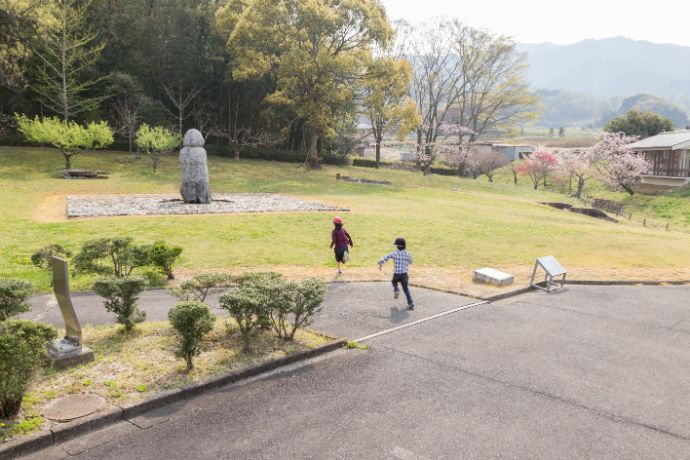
(591, 372)
(350, 309)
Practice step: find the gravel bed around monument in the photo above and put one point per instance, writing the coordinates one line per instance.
(150, 205)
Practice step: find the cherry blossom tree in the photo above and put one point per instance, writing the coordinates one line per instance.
(486, 164)
(458, 153)
(577, 164)
(538, 165)
(617, 163)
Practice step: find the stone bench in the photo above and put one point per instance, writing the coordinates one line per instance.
(490, 276)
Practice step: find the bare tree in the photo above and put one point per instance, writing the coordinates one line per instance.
(436, 73)
(181, 100)
(493, 92)
(127, 100)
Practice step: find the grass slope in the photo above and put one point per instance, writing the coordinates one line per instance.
(452, 225)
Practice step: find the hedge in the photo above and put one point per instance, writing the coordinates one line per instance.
(369, 163)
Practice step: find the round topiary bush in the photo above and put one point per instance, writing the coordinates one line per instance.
(14, 297)
(191, 320)
(22, 349)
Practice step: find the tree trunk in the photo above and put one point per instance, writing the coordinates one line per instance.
(629, 189)
(130, 135)
(378, 154)
(68, 161)
(312, 160)
(190, 365)
(580, 188)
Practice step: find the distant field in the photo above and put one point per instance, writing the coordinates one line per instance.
(452, 225)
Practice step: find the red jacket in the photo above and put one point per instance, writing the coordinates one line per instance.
(340, 237)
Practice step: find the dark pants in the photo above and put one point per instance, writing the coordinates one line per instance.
(403, 279)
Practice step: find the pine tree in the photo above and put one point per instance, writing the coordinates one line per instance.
(65, 54)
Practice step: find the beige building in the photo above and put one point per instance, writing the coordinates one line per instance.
(669, 158)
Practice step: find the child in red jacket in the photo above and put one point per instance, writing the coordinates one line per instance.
(340, 240)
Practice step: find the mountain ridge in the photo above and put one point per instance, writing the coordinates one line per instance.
(611, 67)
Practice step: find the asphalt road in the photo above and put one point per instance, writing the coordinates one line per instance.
(349, 308)
(591, 372)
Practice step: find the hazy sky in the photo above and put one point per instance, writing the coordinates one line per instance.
(536, 21)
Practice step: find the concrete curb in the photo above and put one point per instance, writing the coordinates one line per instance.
(63, 432)
(626, 283)
(508, 294)
(525, 290)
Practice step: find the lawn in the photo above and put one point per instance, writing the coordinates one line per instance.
(453, 225)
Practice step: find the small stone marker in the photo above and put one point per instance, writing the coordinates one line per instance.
(194, 163)
(491, 276)
(69, 350)
(72, 407)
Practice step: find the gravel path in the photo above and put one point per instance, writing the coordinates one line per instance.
(158, 204)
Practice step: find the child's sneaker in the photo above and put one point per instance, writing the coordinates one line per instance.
(396, 294)
(410, 307)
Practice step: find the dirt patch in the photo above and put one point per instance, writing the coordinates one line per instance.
(459, 280)
(52, 208)
(559, 205)
(597, 214)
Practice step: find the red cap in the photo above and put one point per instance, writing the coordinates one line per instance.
(337, 220)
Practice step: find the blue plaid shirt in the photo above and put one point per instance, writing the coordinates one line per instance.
(401, 261)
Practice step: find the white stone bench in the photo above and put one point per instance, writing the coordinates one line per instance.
(490, 276)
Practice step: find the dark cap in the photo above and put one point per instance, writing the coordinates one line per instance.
(400, 242)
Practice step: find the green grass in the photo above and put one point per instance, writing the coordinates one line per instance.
(449, 222)
(672, 207)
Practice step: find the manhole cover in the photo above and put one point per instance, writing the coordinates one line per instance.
(72, 406)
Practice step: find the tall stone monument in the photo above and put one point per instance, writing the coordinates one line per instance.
(195, 186)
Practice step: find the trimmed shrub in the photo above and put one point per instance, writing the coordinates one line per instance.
(41, 258)
(369, 163)
(162, 257)
(246, 310)
(198, 287)
(274, 155)
(191, 320)
(109, 256)
(287, 306)
(14, 297)
(120, 297)
(307, 297)
(22, 350)
(269, 290)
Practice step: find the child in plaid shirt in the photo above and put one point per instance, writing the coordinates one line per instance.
(401, 264)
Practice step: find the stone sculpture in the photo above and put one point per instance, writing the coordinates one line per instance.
(68, 351)
(195, 186)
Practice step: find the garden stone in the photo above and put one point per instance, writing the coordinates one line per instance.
(491, 276)
(195, 183)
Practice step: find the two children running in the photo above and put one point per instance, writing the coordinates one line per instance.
(341, 242)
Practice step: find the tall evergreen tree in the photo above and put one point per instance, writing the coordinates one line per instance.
(66, 54)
